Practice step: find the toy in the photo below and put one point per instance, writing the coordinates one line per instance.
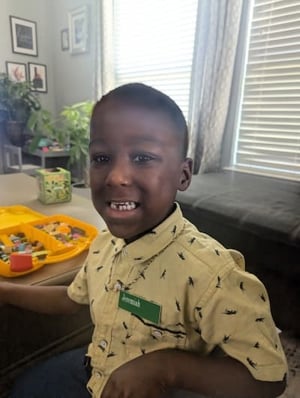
(27, 246)
(54, 185)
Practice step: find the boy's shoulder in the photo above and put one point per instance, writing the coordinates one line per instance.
(207, 251)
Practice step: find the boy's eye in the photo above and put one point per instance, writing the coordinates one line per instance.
(100, 158)
(142, 158)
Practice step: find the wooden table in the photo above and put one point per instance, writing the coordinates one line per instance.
(27, 337)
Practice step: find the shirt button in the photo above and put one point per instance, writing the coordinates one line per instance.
(103, 344)
(157, 334)
(117, 286)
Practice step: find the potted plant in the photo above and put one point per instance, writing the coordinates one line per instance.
(76, 126)
(17, 102)
(70, 131)
(45, 128)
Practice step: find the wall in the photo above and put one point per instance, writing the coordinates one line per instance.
(74, 74)
(34, 10)
(70, 77)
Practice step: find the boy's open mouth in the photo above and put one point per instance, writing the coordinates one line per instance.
(123, 206)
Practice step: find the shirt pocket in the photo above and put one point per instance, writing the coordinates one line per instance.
(143, 336)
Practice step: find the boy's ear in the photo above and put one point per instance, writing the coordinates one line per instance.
(186, 174)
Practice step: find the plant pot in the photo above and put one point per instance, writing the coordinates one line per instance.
(15, 132)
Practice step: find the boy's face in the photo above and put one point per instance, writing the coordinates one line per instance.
(136, 168)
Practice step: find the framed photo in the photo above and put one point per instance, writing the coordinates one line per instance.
(16, 71)
(64, 39)
(38, 77)
(78, 30)
(23, 36)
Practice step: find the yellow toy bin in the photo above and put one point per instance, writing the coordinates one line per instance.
(31, 240)
(14, 215)
(72, 236)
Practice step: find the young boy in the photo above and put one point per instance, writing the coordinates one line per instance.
(175, 314)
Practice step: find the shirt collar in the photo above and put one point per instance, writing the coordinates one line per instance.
(154, 241)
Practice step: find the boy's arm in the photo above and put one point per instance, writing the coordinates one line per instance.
(43, 299)
(151, 374)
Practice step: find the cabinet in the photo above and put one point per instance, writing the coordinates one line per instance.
(47, 159)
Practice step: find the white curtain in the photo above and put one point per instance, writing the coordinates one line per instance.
(217, 31)
(104, 67)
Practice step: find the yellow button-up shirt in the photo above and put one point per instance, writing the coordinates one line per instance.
(205, 296)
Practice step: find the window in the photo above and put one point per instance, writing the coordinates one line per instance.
(268, 134)
(153, 44)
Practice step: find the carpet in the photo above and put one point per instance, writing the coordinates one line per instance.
(291, 346)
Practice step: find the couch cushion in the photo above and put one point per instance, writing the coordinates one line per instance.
(260, 204)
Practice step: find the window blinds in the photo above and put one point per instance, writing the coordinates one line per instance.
(153, 44)
(269, 131)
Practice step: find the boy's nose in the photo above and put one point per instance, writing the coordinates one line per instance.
(119, 174)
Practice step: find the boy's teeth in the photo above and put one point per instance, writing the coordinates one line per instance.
(123, 206)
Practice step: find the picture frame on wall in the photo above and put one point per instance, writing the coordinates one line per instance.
(64, 39)
(78, 30)
(23, 36)
(16, 71)
(38, 77)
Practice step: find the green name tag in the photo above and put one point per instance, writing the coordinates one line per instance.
(138, 306)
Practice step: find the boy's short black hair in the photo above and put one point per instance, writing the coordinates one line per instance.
(139, 94)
